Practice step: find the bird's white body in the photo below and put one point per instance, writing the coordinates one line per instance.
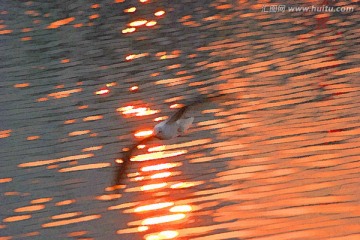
(168, 130)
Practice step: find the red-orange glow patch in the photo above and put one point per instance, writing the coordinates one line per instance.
(83, 107)
(31, 138)
(128, 30)
(60, 23)
(77, 133)
(5, 180)
(6, 31)
(77, 234)
(66, 60)
(93, 118)
(151, 23)
(161, 166)
(155, 206)
(52, 161)
(157, 148)
(130, 10)
(30, 208)
(70, 221)
(40, 200)
(181, 208)
(159, 13)
(12, 194)
(26, 39)
(143, 133)
(66, 215)
(85, 167)
(78, 25)
(138, 23)
(59, 86)
(143, 1)
(140, 146)
(153, 186)
(65, 202)
(21, 85)
(17, 218)
(5, 133)
(102, 91)
(169, 234)
(161, 175)
(70, 121)
(43, 99)
(163, 219)
(26, 30)
(96, 5)
(134, 88)
(63, 94)
(157, 155)
(112, 84)
(119, 1)
(94, 16)
(108, 197)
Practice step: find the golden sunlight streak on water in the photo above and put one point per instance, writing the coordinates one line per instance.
(161, 166)
(169, 234)
(138, 23)
(159, 13)
(161, 175)
(155, 206)
(143, 133)
(153, 186)
(163, 219)
(140, 111)
(70, 221)
(186, 184)
(63, 159)
(157, 155)
(85, 167)
(181, 208)
(66, 215)
(17, 218)
(30, 208)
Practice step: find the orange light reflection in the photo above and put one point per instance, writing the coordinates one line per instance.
(162, 235)
(163, 219)
(102, 91)
(130, 10)
(181, 208)
(153, 186)
(143, 133)
(159, 13)
(157, 155)
(155, 206)
(160, 167)
(138, 23)
(161, 175)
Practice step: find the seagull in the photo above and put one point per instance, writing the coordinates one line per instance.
(170, 128)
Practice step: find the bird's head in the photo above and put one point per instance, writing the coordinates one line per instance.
(158, 131)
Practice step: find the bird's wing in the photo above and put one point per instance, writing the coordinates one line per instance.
(120, 169)
(176, 116)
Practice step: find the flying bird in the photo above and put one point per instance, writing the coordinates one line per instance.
(170, 128)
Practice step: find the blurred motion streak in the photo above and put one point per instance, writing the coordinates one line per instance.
(181, 208)
(138, 23)
(66, 215)
(161, 175)
(159, 13)
(85, 167)
(30, 208)
(186, 184)
(64, 94)
(61, 22)
(70, 221)
(16, 218)
(63, 159)
(140, 111)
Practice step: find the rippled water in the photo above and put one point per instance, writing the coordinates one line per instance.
(82, 81)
